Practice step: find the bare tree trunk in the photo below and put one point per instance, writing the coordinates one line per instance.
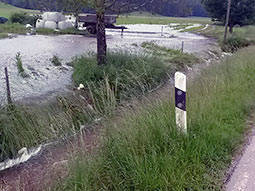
(101, 39)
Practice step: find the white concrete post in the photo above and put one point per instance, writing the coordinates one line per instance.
(180, 102)
(162, 31)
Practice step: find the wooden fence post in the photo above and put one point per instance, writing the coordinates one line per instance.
(182, 47)
(9, 99)
(180, 102)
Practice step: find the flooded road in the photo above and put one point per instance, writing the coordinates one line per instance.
(46, 80)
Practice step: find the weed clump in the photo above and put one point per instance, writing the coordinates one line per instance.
(19, 64)
(56, 61)
(235, 43)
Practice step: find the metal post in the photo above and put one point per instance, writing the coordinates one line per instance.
(9, 100)
(180, 102)
(122, 30)
(182, 47)
(227, 21)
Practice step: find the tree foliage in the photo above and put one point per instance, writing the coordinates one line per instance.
(163, 7)
(242, 11)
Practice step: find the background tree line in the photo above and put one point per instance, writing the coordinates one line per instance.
(167, 8)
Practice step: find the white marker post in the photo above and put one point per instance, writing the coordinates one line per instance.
(180, 101)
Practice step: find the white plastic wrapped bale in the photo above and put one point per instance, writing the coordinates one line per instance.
(71, 19)
(63, 18)
(40, 23)
(64, 25)
(52, 16)
(50, 25)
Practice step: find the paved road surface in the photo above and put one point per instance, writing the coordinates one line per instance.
(243, 177)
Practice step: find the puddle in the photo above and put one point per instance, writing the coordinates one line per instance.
(47, 80)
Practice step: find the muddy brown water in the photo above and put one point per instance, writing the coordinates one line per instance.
(46, 80)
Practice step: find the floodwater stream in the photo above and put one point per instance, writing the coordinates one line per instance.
(46, 80)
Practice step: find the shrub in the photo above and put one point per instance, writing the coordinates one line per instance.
(234, 43)
(23, 18)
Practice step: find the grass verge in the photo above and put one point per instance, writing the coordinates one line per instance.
(3, 35)
(241, 37)
(176, 60)
(13, 28)
(135, 19)
(145, 151)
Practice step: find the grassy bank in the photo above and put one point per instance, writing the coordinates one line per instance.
(156, 19)
(13, 28)
(6, 10)
(144, 151)
(241, 37)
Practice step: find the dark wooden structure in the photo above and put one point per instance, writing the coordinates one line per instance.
(89, 21)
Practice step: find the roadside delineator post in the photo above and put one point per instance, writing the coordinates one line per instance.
(162, 31)
(9, 100)
(180, 102)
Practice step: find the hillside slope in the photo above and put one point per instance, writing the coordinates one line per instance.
(6, 10)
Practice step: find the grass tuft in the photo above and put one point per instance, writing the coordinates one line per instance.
(125, 75)
(56, 61)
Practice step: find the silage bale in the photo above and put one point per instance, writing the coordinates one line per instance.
(63, 18)
(40, 23)
(52, 16)
(64, 25)
(70, 24)
(45, 16)
(50, 25)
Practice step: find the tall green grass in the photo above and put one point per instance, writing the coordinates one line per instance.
(124, 76)
(145, 151)
(241, 37)
(13, 28)
(30, 126)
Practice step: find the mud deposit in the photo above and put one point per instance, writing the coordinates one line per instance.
(46, 80)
